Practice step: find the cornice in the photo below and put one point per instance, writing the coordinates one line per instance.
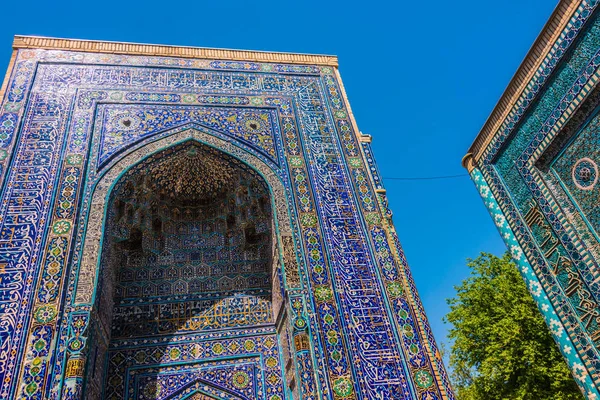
(467, 162)
(94, 46)
(542, 46)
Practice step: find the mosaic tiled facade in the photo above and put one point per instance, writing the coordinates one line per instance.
(535, 166)
(182, 223)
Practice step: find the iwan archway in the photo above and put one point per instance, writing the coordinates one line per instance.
(188, 278)
(187, 252)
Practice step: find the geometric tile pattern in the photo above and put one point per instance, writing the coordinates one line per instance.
(537, 176)
(346, 320)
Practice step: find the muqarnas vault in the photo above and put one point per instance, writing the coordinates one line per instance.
(187, 223)
(535, 164)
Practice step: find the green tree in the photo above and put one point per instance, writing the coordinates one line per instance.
(501, 346)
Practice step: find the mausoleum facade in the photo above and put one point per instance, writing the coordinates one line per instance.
(188, 223)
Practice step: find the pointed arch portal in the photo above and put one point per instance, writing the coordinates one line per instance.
(188, 251)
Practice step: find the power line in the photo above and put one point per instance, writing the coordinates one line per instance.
(427, 178)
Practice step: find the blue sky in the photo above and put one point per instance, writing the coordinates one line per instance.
(422, 77)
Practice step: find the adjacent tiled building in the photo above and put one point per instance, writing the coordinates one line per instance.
(535, 164)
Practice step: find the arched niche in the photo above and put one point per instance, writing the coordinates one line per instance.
(187, 238)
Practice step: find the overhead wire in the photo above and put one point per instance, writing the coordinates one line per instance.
(426, 178)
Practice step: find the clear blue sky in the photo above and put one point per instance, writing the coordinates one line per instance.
(422, 77)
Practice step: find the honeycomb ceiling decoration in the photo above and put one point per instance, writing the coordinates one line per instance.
(192, 175)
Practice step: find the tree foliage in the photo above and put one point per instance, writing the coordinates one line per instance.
(502, 348)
